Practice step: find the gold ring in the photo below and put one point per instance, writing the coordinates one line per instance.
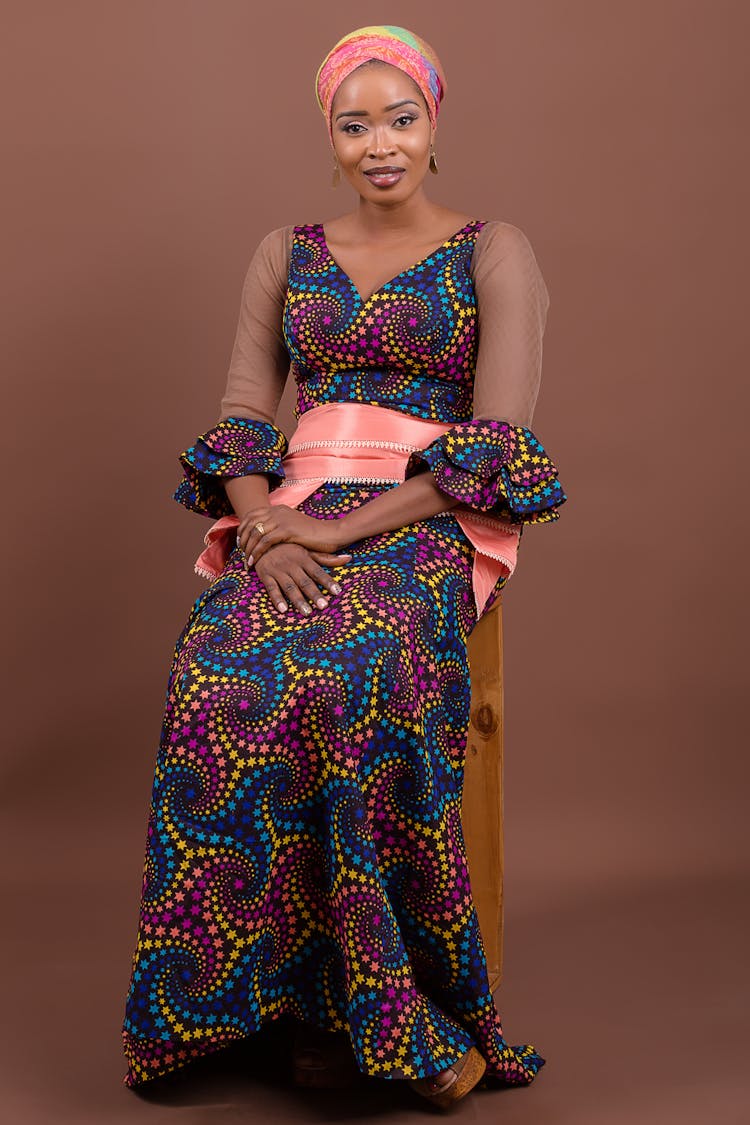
(259, 527)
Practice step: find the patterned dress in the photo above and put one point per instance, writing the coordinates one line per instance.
(304, 853)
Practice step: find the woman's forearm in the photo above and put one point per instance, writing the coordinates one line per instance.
(246, 493)
(415, 499)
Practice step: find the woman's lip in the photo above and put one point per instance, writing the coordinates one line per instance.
(385, 177)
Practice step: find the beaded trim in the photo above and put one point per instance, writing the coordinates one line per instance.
(401, 446)
(500, 558)
(290, 483)
(209, 574)
(477, 517)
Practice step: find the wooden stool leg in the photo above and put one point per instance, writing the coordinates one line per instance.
(482, 806)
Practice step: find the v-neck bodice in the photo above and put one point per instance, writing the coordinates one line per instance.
(411, 345)
(407, 269)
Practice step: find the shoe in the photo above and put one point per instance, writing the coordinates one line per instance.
(323, 1059)
(467, 1072)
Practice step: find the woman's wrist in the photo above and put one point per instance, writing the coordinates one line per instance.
(341, 532)
(247, 493)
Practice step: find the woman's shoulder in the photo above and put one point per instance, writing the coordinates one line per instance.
(504, 262)
(277, 240)
(501, 236)
(269, 261)
(504, 244)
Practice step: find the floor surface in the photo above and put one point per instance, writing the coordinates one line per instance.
(635, 994)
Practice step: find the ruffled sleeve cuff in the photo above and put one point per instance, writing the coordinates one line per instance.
(236, 447)
(494, 467)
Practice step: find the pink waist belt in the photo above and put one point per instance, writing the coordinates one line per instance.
(352, 441)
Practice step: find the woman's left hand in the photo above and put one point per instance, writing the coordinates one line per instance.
(282, 524)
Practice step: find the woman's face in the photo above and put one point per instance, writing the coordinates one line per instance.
(381, 133)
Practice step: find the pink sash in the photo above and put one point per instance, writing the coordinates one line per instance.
(345, 441)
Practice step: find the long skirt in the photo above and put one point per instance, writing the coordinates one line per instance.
(304, 853)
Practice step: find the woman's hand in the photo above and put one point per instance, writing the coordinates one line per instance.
(282, 524)
(293, 575)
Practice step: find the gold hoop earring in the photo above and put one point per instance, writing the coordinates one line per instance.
(336, 178)
(433, 161)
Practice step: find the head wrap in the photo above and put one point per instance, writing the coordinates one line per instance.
(394, 45)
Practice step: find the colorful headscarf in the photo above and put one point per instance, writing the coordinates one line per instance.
(394, 45)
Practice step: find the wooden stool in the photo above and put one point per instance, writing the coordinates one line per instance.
(482, 807)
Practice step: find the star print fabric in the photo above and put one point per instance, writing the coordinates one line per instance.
(494, 467)
(235, 447)
(305, 852)
(408, 346)
(304, 849)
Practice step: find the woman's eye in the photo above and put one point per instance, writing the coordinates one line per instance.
(351, 127)
(405, 119)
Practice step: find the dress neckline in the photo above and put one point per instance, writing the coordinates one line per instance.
(409, 269)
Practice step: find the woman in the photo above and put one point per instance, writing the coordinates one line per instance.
(305, 856)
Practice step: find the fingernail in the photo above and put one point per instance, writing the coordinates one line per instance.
(336, 588)
(306, 608)
(322, 603)
(249, 560)
(283, 607)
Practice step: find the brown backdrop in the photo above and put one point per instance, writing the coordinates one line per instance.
(147, 148)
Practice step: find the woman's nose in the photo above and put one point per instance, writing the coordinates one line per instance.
(381, 143)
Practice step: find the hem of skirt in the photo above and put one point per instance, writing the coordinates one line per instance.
(533, 1063)
(183, 1057)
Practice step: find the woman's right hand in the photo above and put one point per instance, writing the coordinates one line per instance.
(294, 575)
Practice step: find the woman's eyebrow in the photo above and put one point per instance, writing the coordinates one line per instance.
(364, 113)
(396, 105)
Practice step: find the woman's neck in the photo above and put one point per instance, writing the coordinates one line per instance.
(414, 214)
